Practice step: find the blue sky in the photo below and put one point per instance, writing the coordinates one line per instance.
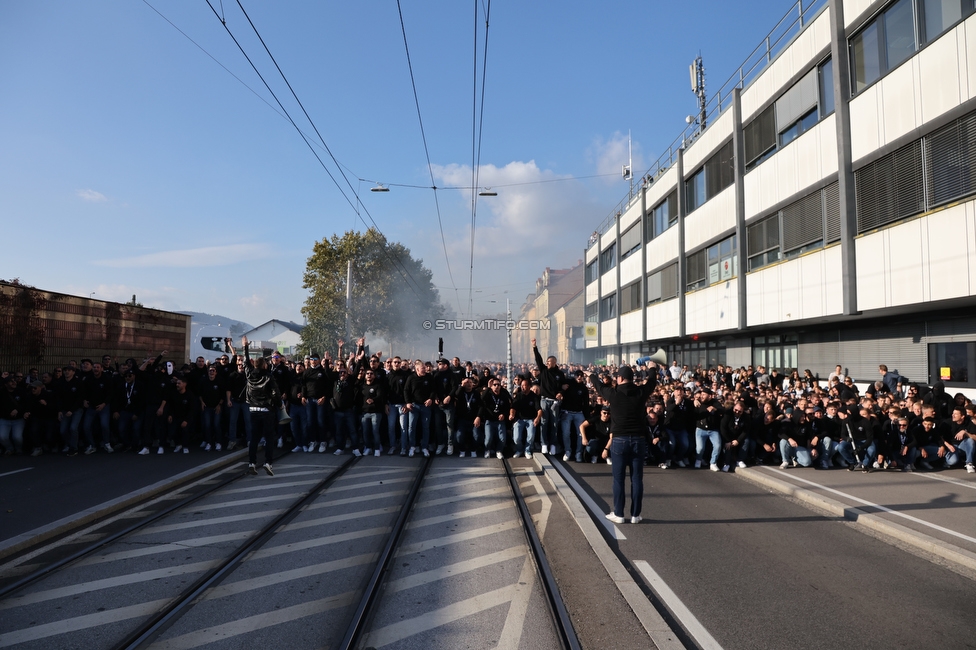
(132, 163)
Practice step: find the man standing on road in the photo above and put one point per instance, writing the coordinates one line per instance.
(551, 380)
(263, 398)
(628, 444)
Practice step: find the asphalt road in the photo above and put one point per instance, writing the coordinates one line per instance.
(760, 571)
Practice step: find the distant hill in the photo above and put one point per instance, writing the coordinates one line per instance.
(237, 327)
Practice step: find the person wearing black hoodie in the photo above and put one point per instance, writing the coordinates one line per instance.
(628, 441)
(263, 398)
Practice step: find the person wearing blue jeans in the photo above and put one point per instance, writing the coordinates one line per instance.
(573, 410)
(343, 403)
(526, 416)
(679, 420)
(797, 441)
(551, 382)
(418, 391)
(962, 439)
(628, 444)
(709, 422)
(496, 408)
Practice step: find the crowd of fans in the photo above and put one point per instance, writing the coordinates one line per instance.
(363, 404)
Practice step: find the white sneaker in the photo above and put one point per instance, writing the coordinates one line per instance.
(207, 447)
(178, 449)
(281, 443)
(725, 468)
(377, 453)
(609, 461)
(487, 454)
(450, 449)
(412, 451)
(784, 465)
(217, 446)
(107, 447)
(338, 452)
(159, 451)
(565, 458)
(528, 454)
(186, 450)
(662, 465)
(545, 449)
(426, 452)
(322, 447)
(267, 468)
(367, 451)
(697, 464)
(251, 469)
(311, 447)
(203, 444)
(970, 469)
(499, 455)
(741, 464)
(144, 451)
(297, 449)
(636, 520)
(713, 467)
(439, 450)
(356, 452)
(615, 519)
(518, 454)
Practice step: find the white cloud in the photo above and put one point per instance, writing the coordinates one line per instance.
(192, 257)
(91, 196)
(165, 298)
(253, 301)
(610, 155)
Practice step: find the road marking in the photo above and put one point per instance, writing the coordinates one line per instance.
(270, 551)
(591, 505)
(208, 522)
(435, 618)
(16, 471)
(81, 622)
(459, 484)
(106, 583)
(458, 538)
(682, 613)
(364, 484)
(871, 504)
(217, 633)
(352, 516)
(519, 607)
(193, 509)
(351, 500)
(458, 568)
(268, 485)
(954, 481)
(242, 586)
(543, 517)
(464, 497)
(181, 545)
(454, 516)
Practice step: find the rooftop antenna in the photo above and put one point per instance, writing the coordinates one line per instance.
(697, 70)
(627, 171)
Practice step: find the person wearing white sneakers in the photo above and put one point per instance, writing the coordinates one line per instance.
(262, 398)
(628, 444)
(184, 408)
(526, 415)
(371, 402)
(595, 434)
(466, 409)
(496, 406)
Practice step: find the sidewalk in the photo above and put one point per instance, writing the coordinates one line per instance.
(933, 511)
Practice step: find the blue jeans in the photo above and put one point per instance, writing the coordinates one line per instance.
(317, 421)
(299, 419)
(103, 417)
(570, 422)
(828, 447)
(420, 413)
(345, 424)
(243, 411)
(701, 435)
(495, 435)
(69, 428)
(371, 431)
(211, 425)
(964, 450)
(628, 452)
(444, 423)
(550, 421)
(801, 454)
(12, 435)
(679, 444)
(398, 415)
(466, 436)
(526, 428)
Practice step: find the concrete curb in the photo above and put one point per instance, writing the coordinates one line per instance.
(656, 627)
(948, 552)
(67, 524)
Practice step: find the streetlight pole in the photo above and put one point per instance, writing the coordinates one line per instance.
(508, 336)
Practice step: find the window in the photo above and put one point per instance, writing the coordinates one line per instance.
(951, 161)
(608, 258)
(866, 57)
(952, 363)
(939, 15)
(763, 241)
(775, 352)
(826, 88)
(890, 188)
(798, 128)
(662, 216)
(760, 137)
(630, 241)
(699, 353)
(832, 213)
(890, 39)
(591, 272)
(712, 265)
(714, 176)
(796, 109)
(630, 298)
(802, 225)
(592, 313)
(662, 285)
(608, 307)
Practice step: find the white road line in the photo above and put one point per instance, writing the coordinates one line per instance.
(682, 613)
(267, 485)
(16, 471)
(464, 497)
(351, 500)
(351, 516)
(359, 472)
(591, 505)
(454, 516)
(81, 623)
(450, 570)
(366, 484)
(293, 496)
(871, 504)
(208, 522)
(217, 633)
(436, 618)
(428, 487)
(543, 517)
(106, 583)
(519, 607)
(467, 535)
(242, 586)
(954, 481)
(181, 545)
(270, 551)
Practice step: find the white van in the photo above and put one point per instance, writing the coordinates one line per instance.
(209, 342)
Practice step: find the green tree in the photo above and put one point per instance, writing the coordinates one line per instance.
(392, 292)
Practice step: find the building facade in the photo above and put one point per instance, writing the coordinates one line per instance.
(554, 290)
(820, 210)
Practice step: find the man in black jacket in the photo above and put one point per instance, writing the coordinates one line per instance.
(551, 380)
(709, 421)
(628, 442)
(263, 397)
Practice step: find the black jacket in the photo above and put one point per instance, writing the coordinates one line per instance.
(262, 390)
(628, 415)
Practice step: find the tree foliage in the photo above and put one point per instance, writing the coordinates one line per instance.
(392, 293)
